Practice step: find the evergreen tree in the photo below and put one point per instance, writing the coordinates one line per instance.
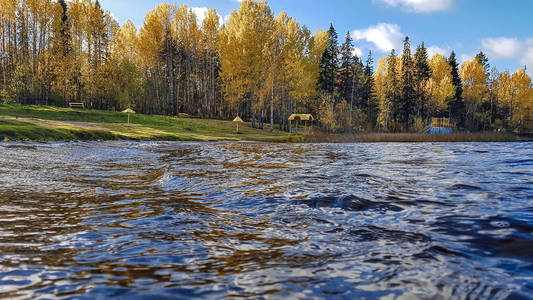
(392, 90)
(456, 106)
(422, 74)
(358, 82)
(484, 61)
(329, 64)
(408, 93)
(369, 100)
(65, 78)
(61, 38)
(366, 89)
(346, 72)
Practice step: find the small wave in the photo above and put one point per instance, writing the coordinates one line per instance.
(465, 187)
(348, 203)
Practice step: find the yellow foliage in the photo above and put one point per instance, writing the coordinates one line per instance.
(157, 24)
(124, 46)
(380, 77)
(241, 42)
(523, 108)
(474, 82)
(439, 86)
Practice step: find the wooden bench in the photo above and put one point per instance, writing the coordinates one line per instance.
(76, 105)
(298, 130)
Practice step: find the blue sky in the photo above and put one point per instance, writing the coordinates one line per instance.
(502, 29)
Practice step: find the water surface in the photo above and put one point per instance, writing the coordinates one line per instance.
(212, 220)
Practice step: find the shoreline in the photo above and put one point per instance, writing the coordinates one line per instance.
(53, 124)
(481, 137)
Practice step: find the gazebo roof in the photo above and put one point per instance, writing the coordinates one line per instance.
(129, 111)
(301, 117)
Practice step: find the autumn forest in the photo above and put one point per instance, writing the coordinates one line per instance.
(256, 65)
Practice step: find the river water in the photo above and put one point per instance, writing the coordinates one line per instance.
(212, 220)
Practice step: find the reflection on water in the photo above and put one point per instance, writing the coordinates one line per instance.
(213, 220)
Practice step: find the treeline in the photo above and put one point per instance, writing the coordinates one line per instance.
(256, 65)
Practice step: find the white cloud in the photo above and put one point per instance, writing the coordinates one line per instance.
(357, 51)
(112, 15)
(527, 60)
(510, 48)
(419, 6)
(201, 13)
(502, 47)
(385, 37)
(226, 18)
(432, 50)
(465, 57)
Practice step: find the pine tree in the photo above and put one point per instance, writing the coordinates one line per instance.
(369, 100)
(484, 61)
(61, 28)
(422, 74)
(392, 90)
(408, 93)
(65, 78)
(456, 106)
(346, 72)
(358, 82)
(329, 64)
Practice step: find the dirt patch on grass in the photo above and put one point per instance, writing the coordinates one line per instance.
(57, 124)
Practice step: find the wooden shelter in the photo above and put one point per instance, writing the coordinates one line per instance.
(307, 120)
(441, 122)
(441, 126)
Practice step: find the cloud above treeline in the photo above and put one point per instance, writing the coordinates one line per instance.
(503, 47)
(520, 50)
(419, 6)
(383, 37)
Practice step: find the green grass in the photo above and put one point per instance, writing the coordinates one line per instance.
(23, 131)
(45, 123)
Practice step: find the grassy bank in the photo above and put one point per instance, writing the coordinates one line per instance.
(16, 130)
(46, 123)
(409, 138)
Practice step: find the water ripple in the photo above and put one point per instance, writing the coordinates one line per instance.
(211, 220)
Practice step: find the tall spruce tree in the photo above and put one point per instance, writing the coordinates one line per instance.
(484, 61)
(392, 90)
(456, 106)
(408, 93)
(422, 74)
(358, 81)
(369, 100)
(329, 64)
(62, 44)
(346, 71)
(65, 77)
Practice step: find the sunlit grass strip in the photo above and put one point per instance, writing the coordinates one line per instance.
(44, 123)
(22, 131)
